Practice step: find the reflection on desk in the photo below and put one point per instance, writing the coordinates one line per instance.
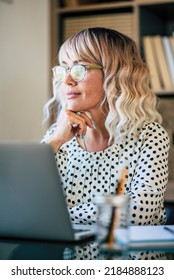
(31, 251)
(145, 242)
(46, 251)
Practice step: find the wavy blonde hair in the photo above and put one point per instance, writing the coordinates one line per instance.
(131, 103)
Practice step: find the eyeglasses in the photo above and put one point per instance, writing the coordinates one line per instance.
(77, 72)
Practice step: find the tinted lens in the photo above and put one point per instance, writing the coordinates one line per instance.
(78, 72)
(59, 73)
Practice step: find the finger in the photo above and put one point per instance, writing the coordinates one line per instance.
(79, 122)
(79, 127)
(88, 121)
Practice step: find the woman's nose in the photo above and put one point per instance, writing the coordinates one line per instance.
(68, 80)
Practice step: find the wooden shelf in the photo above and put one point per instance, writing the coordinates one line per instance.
(152, 2)
(94, 7)
(165, 94)
(140, 9)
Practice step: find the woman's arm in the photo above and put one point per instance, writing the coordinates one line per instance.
(150, 178)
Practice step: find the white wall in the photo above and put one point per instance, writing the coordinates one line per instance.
(24, 68)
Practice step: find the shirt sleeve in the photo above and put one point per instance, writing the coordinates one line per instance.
(150, 178)
(84, 213)
(48, 134)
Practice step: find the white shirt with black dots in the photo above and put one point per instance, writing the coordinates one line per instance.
(86, 174)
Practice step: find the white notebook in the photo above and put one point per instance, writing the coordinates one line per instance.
(148, 236)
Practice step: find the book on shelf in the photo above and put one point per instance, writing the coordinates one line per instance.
(150, 60)
(161, 61)
(169, 57)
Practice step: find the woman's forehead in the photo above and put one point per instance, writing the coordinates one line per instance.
(69, 54)
(72, 58)
(76, 51)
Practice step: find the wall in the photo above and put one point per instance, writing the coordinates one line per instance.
(24, 68)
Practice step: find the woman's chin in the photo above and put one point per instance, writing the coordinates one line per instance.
(74, 108)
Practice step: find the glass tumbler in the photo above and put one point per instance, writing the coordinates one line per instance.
(112, 221)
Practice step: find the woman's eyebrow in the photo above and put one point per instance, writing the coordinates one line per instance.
(74, 62)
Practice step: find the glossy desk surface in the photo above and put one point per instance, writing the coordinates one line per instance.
(28, 250)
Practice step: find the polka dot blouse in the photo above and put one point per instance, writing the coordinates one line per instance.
(86, 174)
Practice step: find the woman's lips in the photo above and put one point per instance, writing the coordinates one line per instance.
(71, 95)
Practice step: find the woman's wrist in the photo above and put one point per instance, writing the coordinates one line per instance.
(56, 144)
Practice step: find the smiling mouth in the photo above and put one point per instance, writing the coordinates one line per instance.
(71, 95)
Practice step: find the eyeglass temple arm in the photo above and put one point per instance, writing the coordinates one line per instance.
(95, 66)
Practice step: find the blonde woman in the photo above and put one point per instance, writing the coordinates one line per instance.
(106, 120)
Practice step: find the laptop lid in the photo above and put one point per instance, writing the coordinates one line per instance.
(32, 201)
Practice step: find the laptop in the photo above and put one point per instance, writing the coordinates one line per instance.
(32, 200)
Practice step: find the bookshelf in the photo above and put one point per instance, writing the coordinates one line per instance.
(136, 18)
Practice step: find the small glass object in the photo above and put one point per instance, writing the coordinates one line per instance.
(112, 222)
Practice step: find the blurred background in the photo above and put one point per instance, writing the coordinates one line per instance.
(24, 68)
(31, 32)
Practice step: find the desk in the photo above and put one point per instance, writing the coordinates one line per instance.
(30, 251)
(12, 250)
(16, 249)
(164, 253)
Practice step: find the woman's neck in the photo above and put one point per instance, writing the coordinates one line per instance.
(94, 140)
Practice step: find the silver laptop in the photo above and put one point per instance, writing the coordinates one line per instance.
(32, 201)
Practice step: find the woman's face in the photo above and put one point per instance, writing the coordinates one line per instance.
(87, 94)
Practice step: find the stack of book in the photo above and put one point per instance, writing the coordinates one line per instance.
(159, 56)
